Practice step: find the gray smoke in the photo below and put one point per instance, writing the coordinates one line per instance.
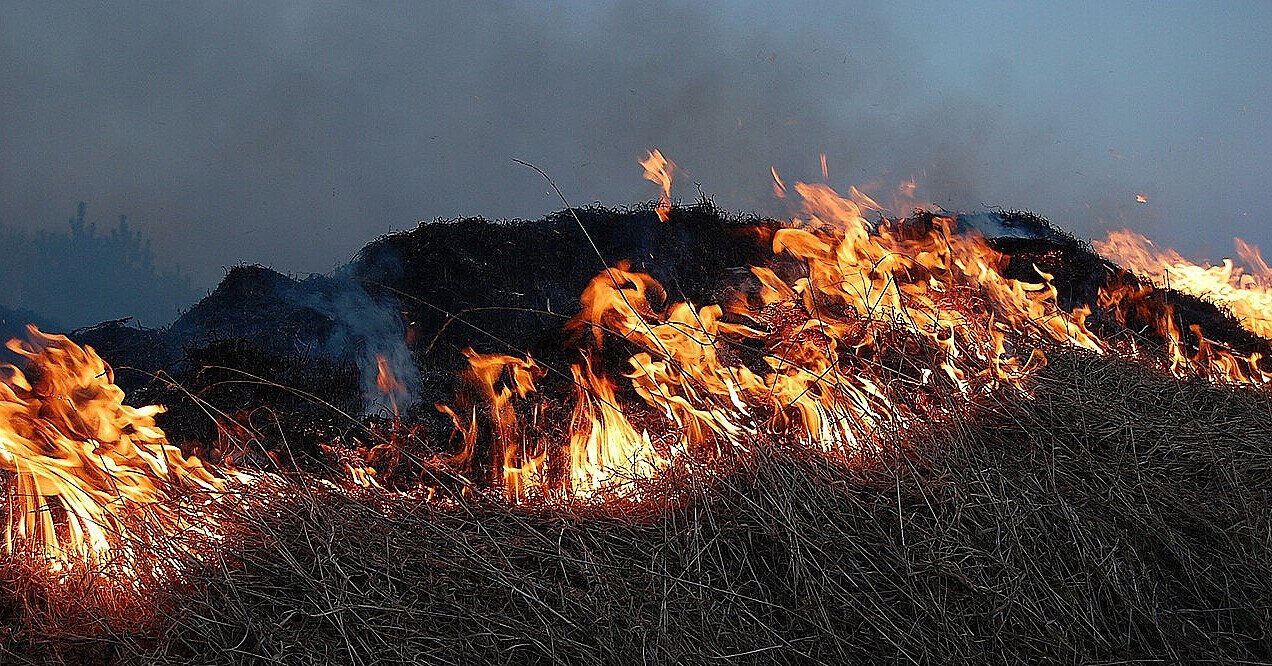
(291, 133)
(364, 332)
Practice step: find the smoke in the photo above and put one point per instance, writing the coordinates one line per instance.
(369, 334)
(290, 134)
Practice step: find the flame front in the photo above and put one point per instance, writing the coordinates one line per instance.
(872, 329)
(1247, 292)
(858, 332)
(93, 480)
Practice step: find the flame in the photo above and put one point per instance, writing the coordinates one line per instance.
(94, 481)
(388, 383)
(362, 476)
(881, 325)
(779, 188)
(492, 383)
(606, 453)
(658, 171)
(855, 332)
(1247, 293)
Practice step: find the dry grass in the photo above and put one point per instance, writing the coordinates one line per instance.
(1118, 516)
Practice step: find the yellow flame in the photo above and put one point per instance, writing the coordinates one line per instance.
(658, 170)
(93, 479)
(1247, 292)
(882, 322)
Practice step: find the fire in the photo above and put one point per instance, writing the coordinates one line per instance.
(879, 326)
(658, 171)
(870, 329)
(387, 382)
(93, 481)
(779, 188)
(492, 383)
(605, 450)
(1246, 292)
(858, 329)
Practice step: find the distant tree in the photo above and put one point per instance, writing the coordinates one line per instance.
(82, 276)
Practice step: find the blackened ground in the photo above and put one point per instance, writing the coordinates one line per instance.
(510, 287)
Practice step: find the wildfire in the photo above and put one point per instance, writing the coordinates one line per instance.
(855, 331)
(881, 325)
(658, 171)
(883, 322)
(93, 481)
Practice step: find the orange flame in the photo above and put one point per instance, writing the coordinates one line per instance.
(886, 320)
(605, 451)
(94, 480)
(658, 170)
(388, 383)
(857, 331)
(1247, 293)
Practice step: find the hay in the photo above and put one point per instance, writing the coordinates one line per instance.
(1119, 515)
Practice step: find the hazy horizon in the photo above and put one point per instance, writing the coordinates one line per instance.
(290, 135)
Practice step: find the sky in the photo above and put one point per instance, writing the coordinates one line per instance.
(290, 134)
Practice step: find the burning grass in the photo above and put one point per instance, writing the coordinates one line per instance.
(1119, 514)
(860, 452)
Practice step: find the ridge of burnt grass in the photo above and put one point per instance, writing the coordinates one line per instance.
(509, 286)
(1118, 515)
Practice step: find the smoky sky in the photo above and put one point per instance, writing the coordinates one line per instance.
(290, 134)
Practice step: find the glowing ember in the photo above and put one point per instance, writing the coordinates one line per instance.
(658, 171)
